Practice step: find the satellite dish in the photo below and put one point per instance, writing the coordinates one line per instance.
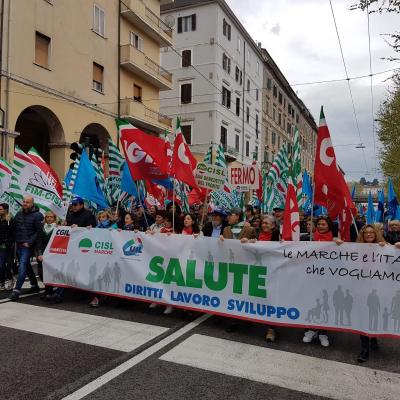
(170, 21)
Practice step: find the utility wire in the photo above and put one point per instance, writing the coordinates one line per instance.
(348, 83)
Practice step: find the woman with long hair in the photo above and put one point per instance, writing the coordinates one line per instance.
(369, 234)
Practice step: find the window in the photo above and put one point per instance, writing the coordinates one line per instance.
(136, 41)
(239, 44)
(187, 24)
(297, 118)
(248, 56)
(98, 77)
(226, 97)
(266, 156)
(258, 67)
(187, 133)
(274, 114)
(248, 85)
(186, 93)
(280, 119)
(98, 20)
(269, 83)
(241, 78)
(257, 126)
(137, 93)
(275, 91)
(238, 106)
(288, 128)
(226, 29)
(42, 50)
(280, 98)
(237, 74)
(224, 135)
(290, 109)
(247, 148)
(247, 114)
(186, 58)
(273, 138)
(256, 153)
(237, 143)
(226, 63)
(279, 141)
(257, 94)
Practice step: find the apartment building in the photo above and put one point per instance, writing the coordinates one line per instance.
(69, 68)
(217, 79)
(283, 111)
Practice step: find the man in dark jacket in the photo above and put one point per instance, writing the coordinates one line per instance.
(79, 215)
(27, 223)
(216, 226)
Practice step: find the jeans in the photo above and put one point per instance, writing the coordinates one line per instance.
(25, 267)
(4, 272)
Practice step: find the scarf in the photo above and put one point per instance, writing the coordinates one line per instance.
(164, 229)
(104, 224)
(265, 236)
(323, 237)
(48, 228)
(236, 229)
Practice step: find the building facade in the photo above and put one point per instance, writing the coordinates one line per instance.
(70, 68)
(217, 79)
(227, 89)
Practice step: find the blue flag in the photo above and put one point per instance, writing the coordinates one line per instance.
(392, 200)
(353, 192)
(370, 210)
(167, 183)
(67, 178)
(379, 217)
(127, 183)
(307, 193)
(86, 184)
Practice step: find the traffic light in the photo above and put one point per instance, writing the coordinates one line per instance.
(77, 149)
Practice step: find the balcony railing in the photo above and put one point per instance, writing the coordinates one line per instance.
(158, 69)
(157, 22)
(230, 150)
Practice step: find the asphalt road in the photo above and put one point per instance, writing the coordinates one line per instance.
(123, 350)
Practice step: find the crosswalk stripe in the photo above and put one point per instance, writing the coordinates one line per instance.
(306, 374)
(78, 327)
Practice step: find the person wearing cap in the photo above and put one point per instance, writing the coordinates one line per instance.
(237, 229)
(79, 216)
(216, 226)
(278, 214)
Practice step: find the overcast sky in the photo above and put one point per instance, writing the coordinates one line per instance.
(300, 36)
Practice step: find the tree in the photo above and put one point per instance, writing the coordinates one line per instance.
(382, 6)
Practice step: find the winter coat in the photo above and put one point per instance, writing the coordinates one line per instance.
(208, 228)
(247, 232)
(7, 232)
(28, 224)
(81, 218)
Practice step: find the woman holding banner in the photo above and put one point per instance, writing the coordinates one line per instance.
(322, 233)
(369, 234)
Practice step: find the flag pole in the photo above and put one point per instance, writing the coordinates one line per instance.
(141, 204)
(173, 204)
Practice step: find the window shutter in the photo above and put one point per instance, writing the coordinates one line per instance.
(97, 73)
(229, 32)
(180, 25)
(140, 43)
(193, 22)
(228, 99)
(224, 28)
(42, 50)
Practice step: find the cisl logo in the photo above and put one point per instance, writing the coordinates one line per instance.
(100, 247)
(60, 241)
(132, 247)
(85, 245)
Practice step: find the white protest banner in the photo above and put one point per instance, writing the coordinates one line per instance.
(352, 287)
(245, 177)
(210, 176)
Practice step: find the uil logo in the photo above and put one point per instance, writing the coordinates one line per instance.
(132, 247)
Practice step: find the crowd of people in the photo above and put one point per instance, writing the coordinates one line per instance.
(26, 236)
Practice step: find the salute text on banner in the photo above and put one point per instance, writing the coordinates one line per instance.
(352, 287)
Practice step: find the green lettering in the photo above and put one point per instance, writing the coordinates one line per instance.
(157, 268)
(257, 281)
(222, 280)
(174, 273)
(238, 271)
(191, 280)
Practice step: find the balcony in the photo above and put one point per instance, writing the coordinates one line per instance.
(138, 63)
(136, 12)
(231, 154)
(143, 117)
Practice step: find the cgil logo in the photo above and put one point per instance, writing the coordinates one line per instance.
(132, 247)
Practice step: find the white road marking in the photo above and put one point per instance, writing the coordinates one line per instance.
(108, 376)
(306, 374)
(83, 328)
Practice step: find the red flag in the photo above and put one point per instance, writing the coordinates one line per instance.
(47, 170)
(291, 219)
(145, 154)
(183, 162)
(331, 190)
